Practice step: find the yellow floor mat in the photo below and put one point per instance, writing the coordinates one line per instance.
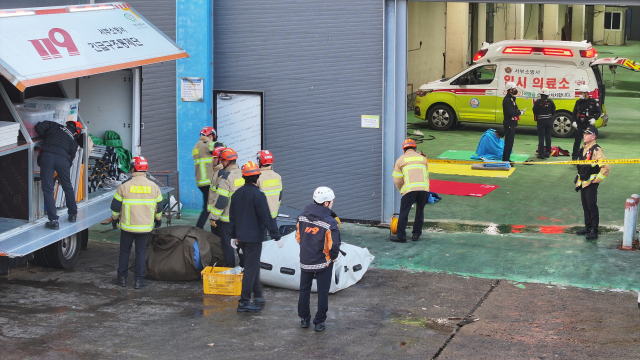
(450, 169)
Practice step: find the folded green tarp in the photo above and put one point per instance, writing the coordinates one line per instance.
(466, 155)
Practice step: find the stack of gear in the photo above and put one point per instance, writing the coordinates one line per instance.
(181, 253)
(106, 171)
(280, 267)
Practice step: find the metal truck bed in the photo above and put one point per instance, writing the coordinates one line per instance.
(28, 237)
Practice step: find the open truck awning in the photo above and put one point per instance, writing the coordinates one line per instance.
(43, 45)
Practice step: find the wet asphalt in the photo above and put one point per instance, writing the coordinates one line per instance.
(390, 314)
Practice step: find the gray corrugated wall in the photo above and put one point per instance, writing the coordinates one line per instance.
(320, 65)
(159, 91)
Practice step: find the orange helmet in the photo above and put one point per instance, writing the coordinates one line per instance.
(250, 169)
(77, 125)
(139, 163)
(228, 154)
(208, 130)
(409, 143)
(216, 152)
(264, 157)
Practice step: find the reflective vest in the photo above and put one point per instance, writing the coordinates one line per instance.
(213, 195)
(203, 160)
(411, 173)
(137, 204)
(270, 182)
(590, 172)
(228, 182)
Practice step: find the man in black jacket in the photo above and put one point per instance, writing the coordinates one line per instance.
(319, 236)
(511, 117)
(543, 111)
(57, 153)
(248, 217)
(585, 113)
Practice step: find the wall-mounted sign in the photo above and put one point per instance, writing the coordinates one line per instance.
(238, 120)
(370, 121)
(191, 89)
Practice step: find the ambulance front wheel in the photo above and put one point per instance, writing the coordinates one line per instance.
(562, 125)
(441, 117)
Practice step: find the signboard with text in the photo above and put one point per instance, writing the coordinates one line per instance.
(52, 44)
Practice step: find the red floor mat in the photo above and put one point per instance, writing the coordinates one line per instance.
(460, 188)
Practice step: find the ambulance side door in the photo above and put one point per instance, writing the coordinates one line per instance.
(476, 94)
(530, 80)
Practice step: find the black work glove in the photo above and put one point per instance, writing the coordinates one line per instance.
(114, 223)
(158, 223)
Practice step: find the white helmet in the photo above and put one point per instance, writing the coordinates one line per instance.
(584, 89)
(545, 91)
(323, 194)
(511, 85)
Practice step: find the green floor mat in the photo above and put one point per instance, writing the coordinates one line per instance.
(466, 155)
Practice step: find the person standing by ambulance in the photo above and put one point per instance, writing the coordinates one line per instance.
(543, 111)
(136, 207)
(318, 234)
(587, 181)
(585, 113)
(203, 162)
(270, 182)
(511, 117)
(229, 180)
(411, 177)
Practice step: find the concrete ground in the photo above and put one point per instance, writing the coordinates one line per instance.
(509, 259)
(389, 314)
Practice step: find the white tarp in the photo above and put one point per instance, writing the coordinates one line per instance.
(347, 271)
(58, 43)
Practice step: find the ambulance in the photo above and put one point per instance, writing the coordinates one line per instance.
(475, 94)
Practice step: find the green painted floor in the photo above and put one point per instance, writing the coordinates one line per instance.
(544, 195)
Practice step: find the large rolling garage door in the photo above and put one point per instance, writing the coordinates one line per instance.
(320, 65)
(158, 137)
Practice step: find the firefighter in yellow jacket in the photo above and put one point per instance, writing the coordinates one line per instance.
(411, 176)
(270, 182)
(203, 162)
(136, 206)
(215, 176)
(229, 180)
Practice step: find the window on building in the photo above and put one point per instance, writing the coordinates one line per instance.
(612, 20)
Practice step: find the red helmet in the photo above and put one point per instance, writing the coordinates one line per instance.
(139, 163)
(208, 130)
(228, 154)
(409, 143)
(264, 157)
(77, 125)
(216, 152)
(250, 169)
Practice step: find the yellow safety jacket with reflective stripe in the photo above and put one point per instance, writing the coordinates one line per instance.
(213, 195)
(596, 154)
(228, 182)
(411, 172)
(203, 160)
(136, 204)
(270, 182)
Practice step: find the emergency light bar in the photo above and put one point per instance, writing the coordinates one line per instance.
(16, 13)
(589, 53)
(480, 54)
(545, 51)
(90, 8)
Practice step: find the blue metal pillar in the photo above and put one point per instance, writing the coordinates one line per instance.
(194, 33)
(394, 108)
